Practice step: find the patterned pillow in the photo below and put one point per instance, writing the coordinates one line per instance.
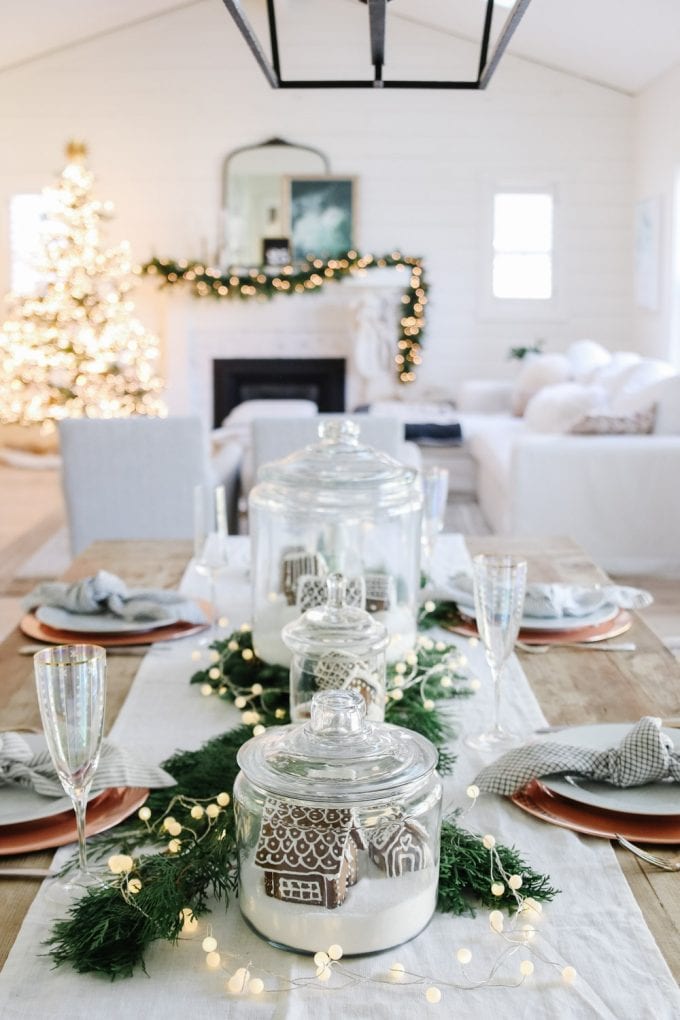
(636, 423)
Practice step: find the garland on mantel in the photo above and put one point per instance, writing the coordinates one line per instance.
(188, 830)
(306, 277)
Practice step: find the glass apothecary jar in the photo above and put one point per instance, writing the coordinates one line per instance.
(338, 826)
(335, 506)
(336, 646)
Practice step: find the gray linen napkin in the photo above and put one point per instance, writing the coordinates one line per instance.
(21, 766)
(107, 593)
(552, 601)
(645, 755)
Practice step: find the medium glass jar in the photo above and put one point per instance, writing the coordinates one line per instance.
(335, 506)
(338, 826)
(336, 646)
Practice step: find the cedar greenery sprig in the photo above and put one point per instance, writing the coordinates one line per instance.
(464, 873)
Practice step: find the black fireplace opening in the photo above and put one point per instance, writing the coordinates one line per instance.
(237, 379)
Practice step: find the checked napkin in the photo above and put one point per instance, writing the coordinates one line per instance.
(21, 766)
(105, 592)
(645, 755)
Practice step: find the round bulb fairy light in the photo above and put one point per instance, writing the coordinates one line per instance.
(223, 799)
(433, 995)
(489, 841)
(209, 944)
(213, 960)
(144, 814)
(526, 968)
(134, 886)
(197, 812)
(238, 981)
(496, 921)
(121, 864)
(396, 972)
(335, 951)
(463, 955)
(255, 986)
(212, 810)
(497, 888)
(515, 882)
(206, 690)
(189, 921)
(321, 958)
(568, 974)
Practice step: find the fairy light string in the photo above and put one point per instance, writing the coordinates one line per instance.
(309, 276)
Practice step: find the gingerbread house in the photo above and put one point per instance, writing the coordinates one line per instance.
(296, 562)
(336, 670)
(399, 847)
(308, 854)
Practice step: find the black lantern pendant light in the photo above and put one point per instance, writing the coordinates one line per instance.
(377, 11)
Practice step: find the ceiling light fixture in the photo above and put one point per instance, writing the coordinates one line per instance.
(377, 13)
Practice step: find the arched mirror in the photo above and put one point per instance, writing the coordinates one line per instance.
(253, 199)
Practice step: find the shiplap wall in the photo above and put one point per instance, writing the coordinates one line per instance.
(161, 104)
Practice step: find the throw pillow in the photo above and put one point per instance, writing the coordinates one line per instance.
(557, 408)
(584, 357)
(626, 394)
(537, 371)
(603, 424)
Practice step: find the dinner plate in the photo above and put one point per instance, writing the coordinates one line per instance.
(601, 632)
(32, 627)
(97, 623)
(605, 613)
(104, 811)
(537, 800)
(21, 804)
(662, 798)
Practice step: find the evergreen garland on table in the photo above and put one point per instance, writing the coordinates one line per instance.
(187, 832)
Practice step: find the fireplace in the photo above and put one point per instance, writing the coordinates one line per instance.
(237, 379)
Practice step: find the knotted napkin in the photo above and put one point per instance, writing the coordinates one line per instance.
(107, 593)
(552, 601)
(21, 766)
(645, 755)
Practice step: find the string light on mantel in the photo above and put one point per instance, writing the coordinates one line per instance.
(307, 277)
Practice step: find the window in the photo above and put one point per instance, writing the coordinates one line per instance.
(523, 246)
(26, 218)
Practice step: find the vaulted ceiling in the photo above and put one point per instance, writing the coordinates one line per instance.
(623, 44)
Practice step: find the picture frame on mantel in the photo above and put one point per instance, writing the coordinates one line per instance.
(321, 215)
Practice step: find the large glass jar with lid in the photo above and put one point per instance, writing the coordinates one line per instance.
(338, 826)
(336, 646)
(337, 505)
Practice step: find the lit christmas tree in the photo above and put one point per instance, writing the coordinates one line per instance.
(75, 348)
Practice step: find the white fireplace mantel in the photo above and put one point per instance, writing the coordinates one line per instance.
(355, 319)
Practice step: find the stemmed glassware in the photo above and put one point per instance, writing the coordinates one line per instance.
(499, 588)
(434, 482)
(210, 542)
(71, 686)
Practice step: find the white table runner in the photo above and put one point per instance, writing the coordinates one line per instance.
(594, 925)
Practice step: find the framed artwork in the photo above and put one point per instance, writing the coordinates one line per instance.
(321, 215)
(275, 252)
(647, 253)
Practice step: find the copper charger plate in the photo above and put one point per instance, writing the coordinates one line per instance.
(33, 628)
(104, 811)
(537, 800)
(600, 632)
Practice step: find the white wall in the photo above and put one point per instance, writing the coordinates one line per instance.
(162, 103)
(657, 149)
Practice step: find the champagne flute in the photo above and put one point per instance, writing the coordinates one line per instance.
(210, 543)
(499, 587)
(434, 482)
(71, 686)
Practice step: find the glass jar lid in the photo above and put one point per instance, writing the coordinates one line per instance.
(335, 626)
(337, 466)
(337, 755)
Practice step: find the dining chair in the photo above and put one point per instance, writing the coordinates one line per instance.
(131, 478)
(274, 438)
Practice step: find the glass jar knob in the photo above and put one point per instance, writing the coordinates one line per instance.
(337, 713)
(339, 430)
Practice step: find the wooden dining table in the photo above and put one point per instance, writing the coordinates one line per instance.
(628, 685)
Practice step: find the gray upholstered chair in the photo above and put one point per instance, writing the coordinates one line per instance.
(131, 478)
(273, 438)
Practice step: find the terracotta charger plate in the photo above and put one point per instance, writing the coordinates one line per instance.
(600, 632)
(33, 628)
(537, 800)
(104, 811)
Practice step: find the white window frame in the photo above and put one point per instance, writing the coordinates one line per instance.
(519, 309)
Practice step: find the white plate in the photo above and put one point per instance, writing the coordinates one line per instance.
(602, 615)
(651, 799)
(97, 623)
(18, 804)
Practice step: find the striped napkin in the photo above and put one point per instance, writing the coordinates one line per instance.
(552, 601)
(21, 766)
(645, 755)
(104, 592)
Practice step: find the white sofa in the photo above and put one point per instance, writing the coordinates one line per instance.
(617, 495)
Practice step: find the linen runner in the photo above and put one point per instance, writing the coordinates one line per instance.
(594, 925)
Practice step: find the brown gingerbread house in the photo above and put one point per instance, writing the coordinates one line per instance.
(399, 847)
(308, 854)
